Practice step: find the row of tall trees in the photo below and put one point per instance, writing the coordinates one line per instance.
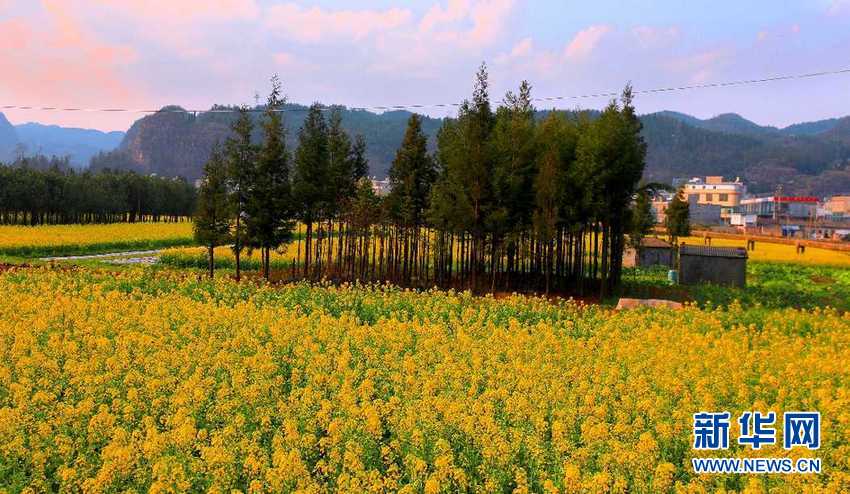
(535, 202)
(512, 198)
(253, 194)
(34, 194)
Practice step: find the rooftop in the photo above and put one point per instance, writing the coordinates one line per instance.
(654, 243)
(700, 250)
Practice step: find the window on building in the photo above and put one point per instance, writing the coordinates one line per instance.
(723, 197)
(709, 197)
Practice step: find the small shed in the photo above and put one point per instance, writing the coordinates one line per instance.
(654, 252)
(718, 265)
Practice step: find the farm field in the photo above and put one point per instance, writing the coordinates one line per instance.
(770, 285)
(198, 385)
(66, 240)
(196, 257)
(776, 252)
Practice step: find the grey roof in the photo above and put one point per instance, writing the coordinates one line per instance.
(704, 251)
(654, 243)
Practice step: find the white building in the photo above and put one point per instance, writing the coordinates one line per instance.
(715, 191)
(380, 187)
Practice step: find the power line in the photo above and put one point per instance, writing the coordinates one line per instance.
(608, 94)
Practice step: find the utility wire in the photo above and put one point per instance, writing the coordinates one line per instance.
(609, 94)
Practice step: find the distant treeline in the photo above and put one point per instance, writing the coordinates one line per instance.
(39, 190)
(505, 202)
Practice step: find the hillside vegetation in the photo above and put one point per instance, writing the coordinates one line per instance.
(809, 158)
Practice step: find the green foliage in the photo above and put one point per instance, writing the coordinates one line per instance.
(59, 195)
(515, 167)
(269, 208)
(642, 220)
(312, 174)
(241, 154)
(213, 216)
(677, 218)
(467, 158)
(610, 159)
(411, 177)
(769, 286)
(365, 206)
(524, 190)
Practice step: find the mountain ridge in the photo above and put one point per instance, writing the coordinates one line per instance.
(735, 123)
(32, 138)
(806, 158)
(79, 144)
(8, 138)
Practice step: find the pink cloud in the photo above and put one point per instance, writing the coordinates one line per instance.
(488, 19)
(524, 56)
(314, 24)
(585, 41)
(181, 26)
(283, 58)
(184, 11)
(454, 11)
(289, 62)
(53, 61)
(700, 67)
(522, 49)
(423, 47)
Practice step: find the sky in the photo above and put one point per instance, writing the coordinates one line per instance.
(146, 54)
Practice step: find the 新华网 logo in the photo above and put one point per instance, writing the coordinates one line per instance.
(712, 431)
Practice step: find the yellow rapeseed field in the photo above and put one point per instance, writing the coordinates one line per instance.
(145, 381)
(776, 252)
(765, 252)
(85, 239)
(197, 256)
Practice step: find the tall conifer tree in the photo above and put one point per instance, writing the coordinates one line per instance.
(312, 176)
(241, 156)
(411, 176)
(213, 216)
(270, 209)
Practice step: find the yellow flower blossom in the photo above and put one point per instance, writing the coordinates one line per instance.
(155, 381)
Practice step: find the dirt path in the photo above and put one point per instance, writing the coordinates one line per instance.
(127, 257)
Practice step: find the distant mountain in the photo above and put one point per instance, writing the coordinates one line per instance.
(802, 160)
(732, 123)
(80, 145)
(808, 158)
(811, 128)
(839, 132)
(729, 123)
(170, 143)
(8, 139)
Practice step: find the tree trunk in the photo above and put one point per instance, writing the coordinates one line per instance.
(308, 237)
(238, 247)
